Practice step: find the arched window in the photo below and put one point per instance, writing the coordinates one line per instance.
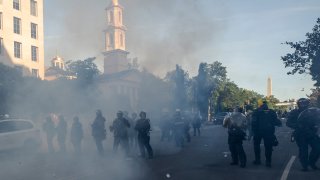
(111, 40)
(111, 16)
(120, 18)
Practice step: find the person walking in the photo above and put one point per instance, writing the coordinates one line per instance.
(76, 135)
(49, 128)
(143, 128)
(99, 132)
(264, 121)
(236, 124)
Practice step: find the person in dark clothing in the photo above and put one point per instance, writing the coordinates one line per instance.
(236, 124)
(143, 128)
(179, 129)
(307, 135)
(49, 128)
(132, 133)
(119, 128)
(62, 133)
(196, 124)
(76, 135)
(166, 127)
(99, 132)
(186, 129)
(263, 124)
(303, 122)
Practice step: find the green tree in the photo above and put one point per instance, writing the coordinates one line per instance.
(180, 81)
(208, 83)
(85, 70)
(315, 97)
(306, 55)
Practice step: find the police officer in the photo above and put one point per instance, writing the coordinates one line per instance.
(196, 124)
(166, 127)
(99, 131)
(303, 121)
(236, 124)
(179, 129)
(76, 135)
(62, 133)
(292, 120)
(143, 128)
(263, 124)
(119, 128)
(49, 128)
(131, 131)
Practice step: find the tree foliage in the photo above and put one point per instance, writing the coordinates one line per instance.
(209, 79)
(85, 70)
(179, 79)
(306, 55)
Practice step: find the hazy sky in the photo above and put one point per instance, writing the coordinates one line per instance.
(244, 35)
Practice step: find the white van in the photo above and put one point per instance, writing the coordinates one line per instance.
(17, 134)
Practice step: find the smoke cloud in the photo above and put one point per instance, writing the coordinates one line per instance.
(160, 33)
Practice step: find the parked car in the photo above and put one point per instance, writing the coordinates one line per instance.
(219, 117)
(19, 134)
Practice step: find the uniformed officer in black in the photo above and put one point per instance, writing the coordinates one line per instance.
(303, 121)
(263, 125)
(119, 128)
(236, 124)
(99, 131)
(143, 128)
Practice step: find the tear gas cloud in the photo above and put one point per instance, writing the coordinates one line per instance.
(160, 33)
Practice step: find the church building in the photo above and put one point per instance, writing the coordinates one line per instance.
(121, 78)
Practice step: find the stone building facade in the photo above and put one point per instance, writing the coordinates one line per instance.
(21, 36)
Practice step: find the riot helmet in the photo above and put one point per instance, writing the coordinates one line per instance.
(143, 114)
(303, 103)
(119, 114)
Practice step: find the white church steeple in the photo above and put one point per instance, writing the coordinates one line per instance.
(116, 31)
(115, 54)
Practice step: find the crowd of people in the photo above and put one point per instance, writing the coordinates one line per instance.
(261, 125)
(128, 133)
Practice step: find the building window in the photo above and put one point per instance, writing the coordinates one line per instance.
(120, 17)
(34, 31)
(16, 4)
(111, 17)
(0, 20)
(35, 72)
(17, 25)
(34, 53)
(1, 46)
(33, 7)
(111, 40)
(17, 49)
(121, 40)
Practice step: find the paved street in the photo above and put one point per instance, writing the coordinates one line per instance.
(206, 157)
